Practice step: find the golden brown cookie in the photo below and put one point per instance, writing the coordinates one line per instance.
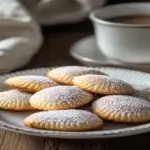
(60, 97)
(30, 83)
(64, 120)
(65, 75)
(15, 100)
(122, 108)
(103, 85)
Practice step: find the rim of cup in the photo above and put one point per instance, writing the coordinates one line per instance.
(103, 14)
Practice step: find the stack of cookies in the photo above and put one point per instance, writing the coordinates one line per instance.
(74, 98)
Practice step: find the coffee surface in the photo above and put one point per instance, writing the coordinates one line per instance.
(132, 19)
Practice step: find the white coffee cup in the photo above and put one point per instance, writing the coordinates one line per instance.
(125, 42)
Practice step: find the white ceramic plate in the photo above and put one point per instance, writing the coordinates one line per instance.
(86, 52)
(13, 121)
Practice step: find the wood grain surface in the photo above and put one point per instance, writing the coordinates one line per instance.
(54, 52)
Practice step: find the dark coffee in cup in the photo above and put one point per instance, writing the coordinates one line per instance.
(131, 19)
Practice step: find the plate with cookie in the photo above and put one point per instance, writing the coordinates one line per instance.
(75, 102)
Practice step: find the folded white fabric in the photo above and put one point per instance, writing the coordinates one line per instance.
(20, 36)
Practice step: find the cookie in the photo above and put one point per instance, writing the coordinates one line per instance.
(122, 108)
(64, 120)
(143, 93)
(60, 97)
(65, 75)
(15, 100)
(30, 83)
(103, 85)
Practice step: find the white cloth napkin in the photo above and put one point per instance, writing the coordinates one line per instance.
(20, 35)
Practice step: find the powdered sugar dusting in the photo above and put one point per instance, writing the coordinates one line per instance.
(72, 116)
(105, 82)
(76, 70)
(14, 95)
(123, 104)
(61, 95)
(42, 80)
(100, 78)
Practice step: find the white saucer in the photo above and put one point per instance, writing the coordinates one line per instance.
(87, 53)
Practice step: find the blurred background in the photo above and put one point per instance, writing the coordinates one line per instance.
(40, 33)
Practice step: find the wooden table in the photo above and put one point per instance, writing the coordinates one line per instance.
(55, 52)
